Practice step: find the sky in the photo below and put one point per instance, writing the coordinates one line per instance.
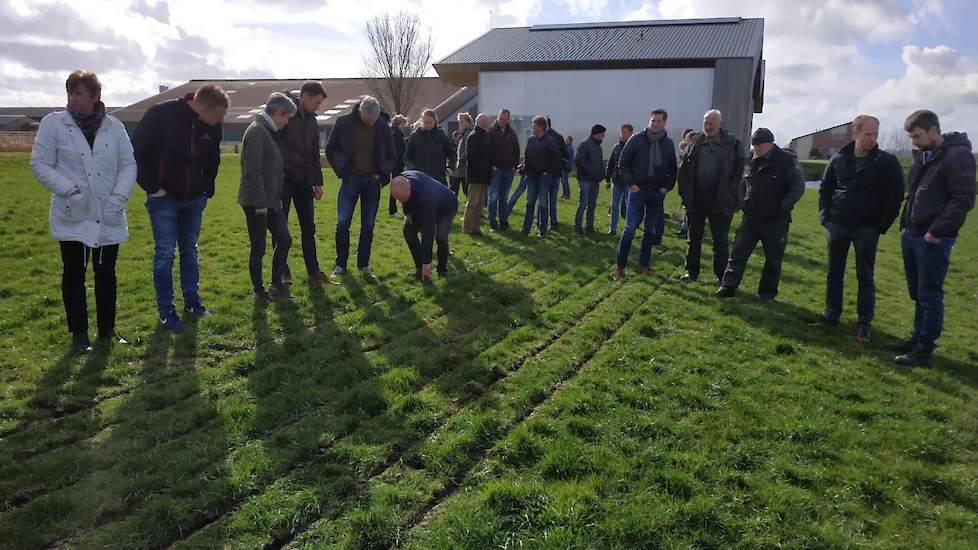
(827, 60)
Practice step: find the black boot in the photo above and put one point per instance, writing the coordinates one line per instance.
(80, 342)
(916, 358)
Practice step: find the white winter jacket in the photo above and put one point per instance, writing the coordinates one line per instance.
(105, 174)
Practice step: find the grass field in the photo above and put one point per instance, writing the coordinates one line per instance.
(528, 401)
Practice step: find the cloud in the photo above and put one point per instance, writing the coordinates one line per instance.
(940, 79)
(816, 69)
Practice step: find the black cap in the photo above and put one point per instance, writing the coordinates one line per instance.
(762, 135)
(598, 129)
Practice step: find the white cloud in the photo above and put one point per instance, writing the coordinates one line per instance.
(816, 75)
(135, 45)
(940, 79)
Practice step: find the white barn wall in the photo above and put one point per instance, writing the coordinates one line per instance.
(578, 99)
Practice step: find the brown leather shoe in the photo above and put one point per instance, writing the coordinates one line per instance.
(617, 273)
(647, 271)
(319, 277)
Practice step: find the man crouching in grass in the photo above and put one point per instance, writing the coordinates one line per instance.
(429, 209)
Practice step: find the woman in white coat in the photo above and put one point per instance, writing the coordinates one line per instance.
(84, 157)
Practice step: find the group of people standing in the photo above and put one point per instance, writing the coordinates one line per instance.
(86, 159)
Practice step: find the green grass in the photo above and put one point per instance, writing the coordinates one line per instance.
(526, 401)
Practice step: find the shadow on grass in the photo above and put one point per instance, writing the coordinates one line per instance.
(794, 323)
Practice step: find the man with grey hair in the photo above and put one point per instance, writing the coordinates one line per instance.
(709, 184)
(478, 173)
(360, 150)
(260, 194)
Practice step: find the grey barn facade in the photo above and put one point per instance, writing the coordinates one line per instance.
(613, 73)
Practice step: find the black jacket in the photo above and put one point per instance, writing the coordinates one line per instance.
(176, 151)
(867, 197)
(611, 172)
(505, 147)
(478, 168)
(299, 144)
(772, 185)
(397, 136)
(339, 147)
(589, 160)
(564, 155)
(732, 170)
(430, 151)
(942, 192)
(542, 156)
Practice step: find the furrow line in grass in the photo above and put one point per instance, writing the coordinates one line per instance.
(24, 497)
(398, 447)
(453, 463)
(562, 281)
(324, 461)
(51, 421)
(223, 351)
(402, 439)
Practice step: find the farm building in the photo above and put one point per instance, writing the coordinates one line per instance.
(611, 73)
(823, 143)
(248, 97)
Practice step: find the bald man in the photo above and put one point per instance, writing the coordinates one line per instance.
(429, 208)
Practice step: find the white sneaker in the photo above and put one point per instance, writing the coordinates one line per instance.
(337, 276)
(397, 215)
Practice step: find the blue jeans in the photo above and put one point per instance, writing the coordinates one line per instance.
(537, 196)
(354, 188)
(499, 195)
(517, 193)
(565, 182)
(646, 205)
(554, 188)
(660, 224)
(619, 196)
(586, 203)
(864, 240)
(926, 267)
(175, 224)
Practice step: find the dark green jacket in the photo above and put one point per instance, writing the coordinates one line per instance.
(431, 152)
(262, 173)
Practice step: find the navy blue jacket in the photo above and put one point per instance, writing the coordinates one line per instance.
(633, 165)
(429, 202)
(339, 147)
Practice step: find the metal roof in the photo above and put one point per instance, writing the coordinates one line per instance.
(672, 40)
(248, 97)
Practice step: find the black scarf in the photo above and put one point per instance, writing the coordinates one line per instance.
(89, 123)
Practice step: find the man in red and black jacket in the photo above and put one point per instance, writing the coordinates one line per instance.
(177, 146)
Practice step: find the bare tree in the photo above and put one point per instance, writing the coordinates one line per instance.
(896, 141)
(399, 55)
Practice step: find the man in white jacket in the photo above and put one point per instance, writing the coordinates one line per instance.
(84, 157)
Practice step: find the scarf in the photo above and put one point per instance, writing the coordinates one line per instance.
(89, 123)
(655, 153)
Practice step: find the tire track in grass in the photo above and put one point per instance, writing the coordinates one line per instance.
(173, 441)
(332, 462)
(450, 459)
(555, 284)
(46, 425)
(18, 497)
(277, 535)
(221, 351)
